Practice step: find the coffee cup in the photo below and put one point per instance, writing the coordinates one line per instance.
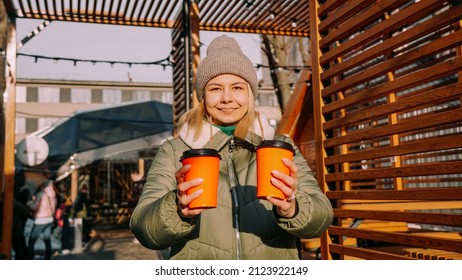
(205, 164)
(269, 157)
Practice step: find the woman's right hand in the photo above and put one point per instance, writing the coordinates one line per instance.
(183, 199)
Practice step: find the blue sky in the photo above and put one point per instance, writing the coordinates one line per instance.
(106, 42)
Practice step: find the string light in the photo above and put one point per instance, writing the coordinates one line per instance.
(294, 68)
(272, 14)
(294, 23)
(163, 62)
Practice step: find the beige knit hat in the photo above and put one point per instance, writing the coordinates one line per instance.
(224, 56)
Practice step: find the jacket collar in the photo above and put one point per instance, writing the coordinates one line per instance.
(213, 137)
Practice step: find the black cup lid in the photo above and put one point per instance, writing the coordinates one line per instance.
(200, 153)
(276, 144)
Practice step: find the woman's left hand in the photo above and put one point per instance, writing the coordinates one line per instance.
(288, 185)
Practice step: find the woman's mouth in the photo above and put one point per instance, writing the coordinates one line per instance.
(227, 109)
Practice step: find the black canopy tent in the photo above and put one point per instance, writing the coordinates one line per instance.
(96, 134)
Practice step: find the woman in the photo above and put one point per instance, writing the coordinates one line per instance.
(242, 226)
(43, 207)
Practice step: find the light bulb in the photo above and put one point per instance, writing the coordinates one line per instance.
(294, 23)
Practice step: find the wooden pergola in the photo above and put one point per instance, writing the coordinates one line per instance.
(249, 16)
(185, 17)
(379, 123)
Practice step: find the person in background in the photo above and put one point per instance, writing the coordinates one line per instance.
(63, 214)
(241, 226)
(80, 212)
(20, 215)
(137, 187)
(43, 206)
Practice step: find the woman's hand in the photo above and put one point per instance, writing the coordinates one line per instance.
(183, 199)
(288, 185)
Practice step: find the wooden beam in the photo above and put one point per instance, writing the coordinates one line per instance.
(8, 154)
(439, 168)
(446, 219)
(401, 205)
(407, 194)
(289, 120)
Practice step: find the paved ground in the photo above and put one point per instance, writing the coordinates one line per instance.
(106, 244)
(113, 244)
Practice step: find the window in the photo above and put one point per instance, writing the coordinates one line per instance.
(167, 97)
(32, 94)
(21, 94)
(127, 95)
(48, 95)
(96, 96)
(81, 95)
(65, 95)
(112, 96)
(141, 95)
(31, 125)
(20, 126)
(162, 96)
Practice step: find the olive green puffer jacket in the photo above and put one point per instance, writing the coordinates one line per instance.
(242, 226)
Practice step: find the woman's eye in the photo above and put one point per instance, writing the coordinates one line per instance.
(236, 88)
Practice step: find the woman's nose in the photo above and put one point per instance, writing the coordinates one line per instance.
(227, 95)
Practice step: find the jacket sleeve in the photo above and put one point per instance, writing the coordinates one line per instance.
(315, 212)
(35, 203)
(155, 221)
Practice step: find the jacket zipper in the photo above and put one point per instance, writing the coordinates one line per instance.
(234, 183)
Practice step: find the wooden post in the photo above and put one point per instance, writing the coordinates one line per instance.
(141, 166)
(74, 184)
(8, 153)
(318, 103)
(195, 47)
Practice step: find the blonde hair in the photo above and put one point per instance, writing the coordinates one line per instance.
(195, 118)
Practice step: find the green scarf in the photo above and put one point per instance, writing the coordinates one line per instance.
(228, 130)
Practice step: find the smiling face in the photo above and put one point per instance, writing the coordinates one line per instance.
(226, 99)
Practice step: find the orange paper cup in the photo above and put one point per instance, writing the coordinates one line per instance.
(205, 163)
(269, 157)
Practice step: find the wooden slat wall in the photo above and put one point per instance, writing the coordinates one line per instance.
(390, 93)
(181, 96)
